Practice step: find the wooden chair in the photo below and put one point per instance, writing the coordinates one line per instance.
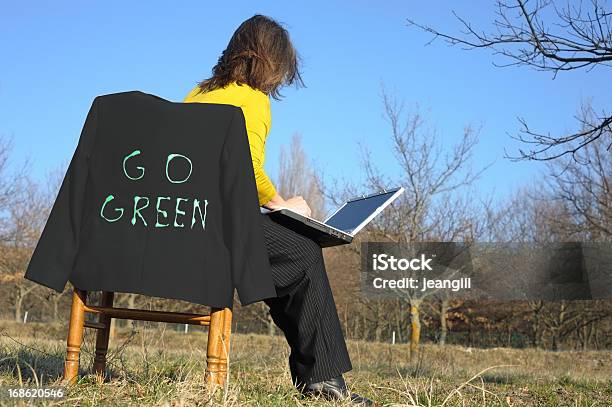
(217, 352)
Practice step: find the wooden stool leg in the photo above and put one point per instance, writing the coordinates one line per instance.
(99, 365)
(75, 336)
(217, 353)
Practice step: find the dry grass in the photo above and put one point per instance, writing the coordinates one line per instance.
(155, 366)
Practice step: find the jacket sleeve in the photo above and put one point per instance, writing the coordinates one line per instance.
(55, 252)
(250, 267)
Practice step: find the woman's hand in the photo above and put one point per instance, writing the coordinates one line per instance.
(296, 204)
(299, 205)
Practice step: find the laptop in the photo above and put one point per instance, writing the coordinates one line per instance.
(343, 224)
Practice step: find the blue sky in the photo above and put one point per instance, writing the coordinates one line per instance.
(57, 56)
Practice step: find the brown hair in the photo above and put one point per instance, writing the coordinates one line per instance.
(259, 54)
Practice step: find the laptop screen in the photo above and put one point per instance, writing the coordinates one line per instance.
(357, 211)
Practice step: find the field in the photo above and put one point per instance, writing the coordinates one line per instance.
(157, 366)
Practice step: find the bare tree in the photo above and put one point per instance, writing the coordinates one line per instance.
(433, 207)
(541, 214)
(584, 187)
(17, 230)
(296, 176)
(26, 217)
(9, 184)
(577, 36)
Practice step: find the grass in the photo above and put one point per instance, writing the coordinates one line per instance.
(155, 366)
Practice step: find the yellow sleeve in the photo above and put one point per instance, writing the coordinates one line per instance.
(258, 121)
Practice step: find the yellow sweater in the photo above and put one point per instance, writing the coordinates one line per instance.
(256, 108)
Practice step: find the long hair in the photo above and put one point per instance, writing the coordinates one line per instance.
(259, 54)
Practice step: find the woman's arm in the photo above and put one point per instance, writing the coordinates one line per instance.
(265, 189)
(258, 122)
(269, 198)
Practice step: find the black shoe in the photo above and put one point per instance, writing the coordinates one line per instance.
(335, 389)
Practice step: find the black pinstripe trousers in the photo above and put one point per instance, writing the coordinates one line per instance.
(304, 308)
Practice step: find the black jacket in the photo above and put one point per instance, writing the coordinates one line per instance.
(159, 199)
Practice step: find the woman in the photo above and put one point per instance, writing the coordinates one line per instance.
(257, 62)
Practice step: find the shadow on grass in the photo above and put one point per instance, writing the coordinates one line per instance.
(30, 365)
(584, 385)
(34, 366)
(416, 370)
(504, 378)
